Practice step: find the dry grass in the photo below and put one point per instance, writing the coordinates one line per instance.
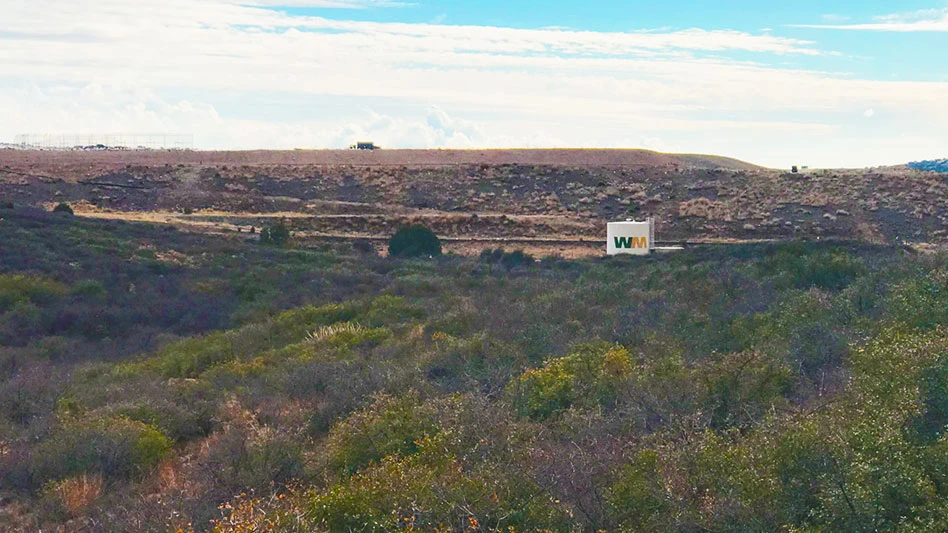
(79, 493)
(705, 208)
(169, 475)
(71, 165)
(539, 200)
(326, 333)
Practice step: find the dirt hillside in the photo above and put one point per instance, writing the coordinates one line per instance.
(555, 200)
(70, 164)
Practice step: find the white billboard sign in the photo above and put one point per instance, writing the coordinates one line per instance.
(629, 238)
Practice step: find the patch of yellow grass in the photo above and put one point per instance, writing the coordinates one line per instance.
(326, 333)
(79, 493)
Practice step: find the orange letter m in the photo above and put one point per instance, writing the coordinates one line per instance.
(631, 242)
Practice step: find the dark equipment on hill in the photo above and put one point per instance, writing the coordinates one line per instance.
(364, 146)
(794, 169)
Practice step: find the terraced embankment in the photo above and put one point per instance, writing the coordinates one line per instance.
(550, 201)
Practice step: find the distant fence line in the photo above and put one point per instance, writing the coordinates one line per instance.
(108, 140)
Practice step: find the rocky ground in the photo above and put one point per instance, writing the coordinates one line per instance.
(549, 201)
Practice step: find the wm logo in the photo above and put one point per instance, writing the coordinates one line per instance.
(631, 242)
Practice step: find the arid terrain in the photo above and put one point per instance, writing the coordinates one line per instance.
(543, 201)
(165, 368)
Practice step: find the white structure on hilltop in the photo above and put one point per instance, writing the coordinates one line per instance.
(104, 141)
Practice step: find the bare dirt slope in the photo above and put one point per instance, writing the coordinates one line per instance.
(72, 164)
(553, 200)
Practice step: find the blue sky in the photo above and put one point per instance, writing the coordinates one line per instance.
(821, 83)
(616, 15)
(880, 55)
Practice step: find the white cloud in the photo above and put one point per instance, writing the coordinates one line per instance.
(922, 15)
(926, 20)
(869, 113)
(122, 65)
(122, 18)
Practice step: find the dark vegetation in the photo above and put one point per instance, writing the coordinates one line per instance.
(152, 380)
(507, 260)
(276, 235)
(414, 241)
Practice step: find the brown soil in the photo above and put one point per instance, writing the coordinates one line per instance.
(543, 201)
(71, 164)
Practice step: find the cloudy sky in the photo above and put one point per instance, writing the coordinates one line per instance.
(843, 83)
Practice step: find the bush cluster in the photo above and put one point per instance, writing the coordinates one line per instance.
(116, 448)
(508, 260)
(277, 235)
(414, 241)
(774, 387)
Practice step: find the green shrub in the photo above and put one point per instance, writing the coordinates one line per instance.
(55, 348)
(489, 255)
(346, 335)
(741, 387)
(63, 209)
(88, 288)
(589, 377)
(718, 421)
(24, 317)
(116, 447)
(801, 459)
(293, 325)
(637, 497)
(414, 241)
(277, 235)
(182, 420)
(877, 438)
(389, 426)
(509, 260)
(802, 267)
(17, 288)
(469, 360)
(921, 302)
(811, 327)
(191, 356)
(255, 459)
(388, 310)
(517, 258)
(932, 422)
(364, 247)
(362, 505)
(907, 372)
(832, 270)
(26, 397)
(432, 490)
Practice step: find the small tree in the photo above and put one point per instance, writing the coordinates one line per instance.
(414, 241)
(509, 260)
(63, 208)
(277, 235)
(363, 246)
